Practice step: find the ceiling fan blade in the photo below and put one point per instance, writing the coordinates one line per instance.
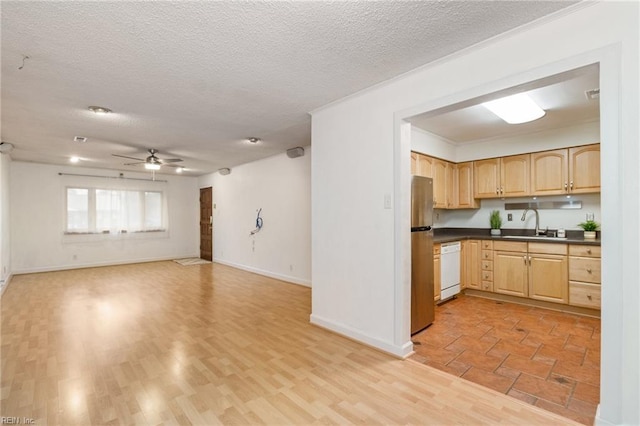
(130, 158)
(170, 160)
(133, 164)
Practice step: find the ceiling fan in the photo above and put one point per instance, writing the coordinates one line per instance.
(151, 162)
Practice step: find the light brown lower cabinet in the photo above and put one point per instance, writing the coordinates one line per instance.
(535, 270)
(437, 281)
(510, 272)
(470, 276)
(584, 276)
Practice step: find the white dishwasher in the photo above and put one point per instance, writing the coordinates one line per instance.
(450, 270)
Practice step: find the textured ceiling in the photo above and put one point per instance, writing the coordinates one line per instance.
(194, 79)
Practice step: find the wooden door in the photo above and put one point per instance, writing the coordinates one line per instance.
(514, 176)
(549, 172)
(463, 187)
(206, 223)
(584, 169)
(549, 278)
(510, 273)
(439, 184)
(487, 178)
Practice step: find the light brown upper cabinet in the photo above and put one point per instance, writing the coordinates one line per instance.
(440, 184)
(502, 177)
(424, 165)
(566, 171)
(584, 169)
(463, 186)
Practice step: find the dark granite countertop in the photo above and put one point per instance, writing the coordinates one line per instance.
(446, 235)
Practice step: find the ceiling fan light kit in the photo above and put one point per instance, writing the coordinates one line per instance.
(152, 162)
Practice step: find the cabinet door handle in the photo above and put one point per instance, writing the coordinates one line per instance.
(497, 190)
(525, 259)
(571, 185)
(501, 190)
(529, 260)
(589, 296)
(565, 186)
(589, 270)
(588, 251)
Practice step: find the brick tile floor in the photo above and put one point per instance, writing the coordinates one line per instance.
(545, 358)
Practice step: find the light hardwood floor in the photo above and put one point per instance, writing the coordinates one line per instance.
(161, 343)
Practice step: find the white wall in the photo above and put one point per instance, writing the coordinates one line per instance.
(5, 229)
(553, 218)
(38, 220)
(281, 187)
(361, 280)
(432, 145)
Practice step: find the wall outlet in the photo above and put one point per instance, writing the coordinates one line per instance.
(74, 257)
(509, 217)
(387, 201)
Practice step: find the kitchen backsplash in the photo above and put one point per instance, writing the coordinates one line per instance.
(554, 219)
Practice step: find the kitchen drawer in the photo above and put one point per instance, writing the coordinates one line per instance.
(487, 275)
(510, 246)
(585, 269)
(583, 294)
(487, 285)
(436, 249)
(487, 245)
(487, 265)
(584, 251)
(487, 255)
(547, 248)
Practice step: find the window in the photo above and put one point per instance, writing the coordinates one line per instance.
(108, 211)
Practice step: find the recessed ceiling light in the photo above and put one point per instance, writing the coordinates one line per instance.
(151, 166)
(74, 159)
(99, 109)
(254, 140)
(515, 109)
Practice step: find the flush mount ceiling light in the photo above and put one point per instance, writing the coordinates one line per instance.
(254, 140)
(225, 171)
(152, 166)
(99, 109)
(515, 109)
(179, 169)
(74, 159)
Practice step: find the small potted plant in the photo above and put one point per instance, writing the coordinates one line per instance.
(590, 227)
(496, 222)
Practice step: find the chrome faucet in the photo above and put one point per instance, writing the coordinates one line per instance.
(538, 230)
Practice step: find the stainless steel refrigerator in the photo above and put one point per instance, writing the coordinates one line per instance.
(422, 304)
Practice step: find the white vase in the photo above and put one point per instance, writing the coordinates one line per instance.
(495, 232)
(589, 235)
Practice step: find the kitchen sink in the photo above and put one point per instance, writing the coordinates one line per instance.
(533, 237)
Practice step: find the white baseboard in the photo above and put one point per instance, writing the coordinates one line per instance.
(281, 277)
(398, 351)
(99, 264)
(599, 421)
(5, 284)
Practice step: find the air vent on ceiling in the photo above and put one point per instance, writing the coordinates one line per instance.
(80, 139)
(593, 94)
